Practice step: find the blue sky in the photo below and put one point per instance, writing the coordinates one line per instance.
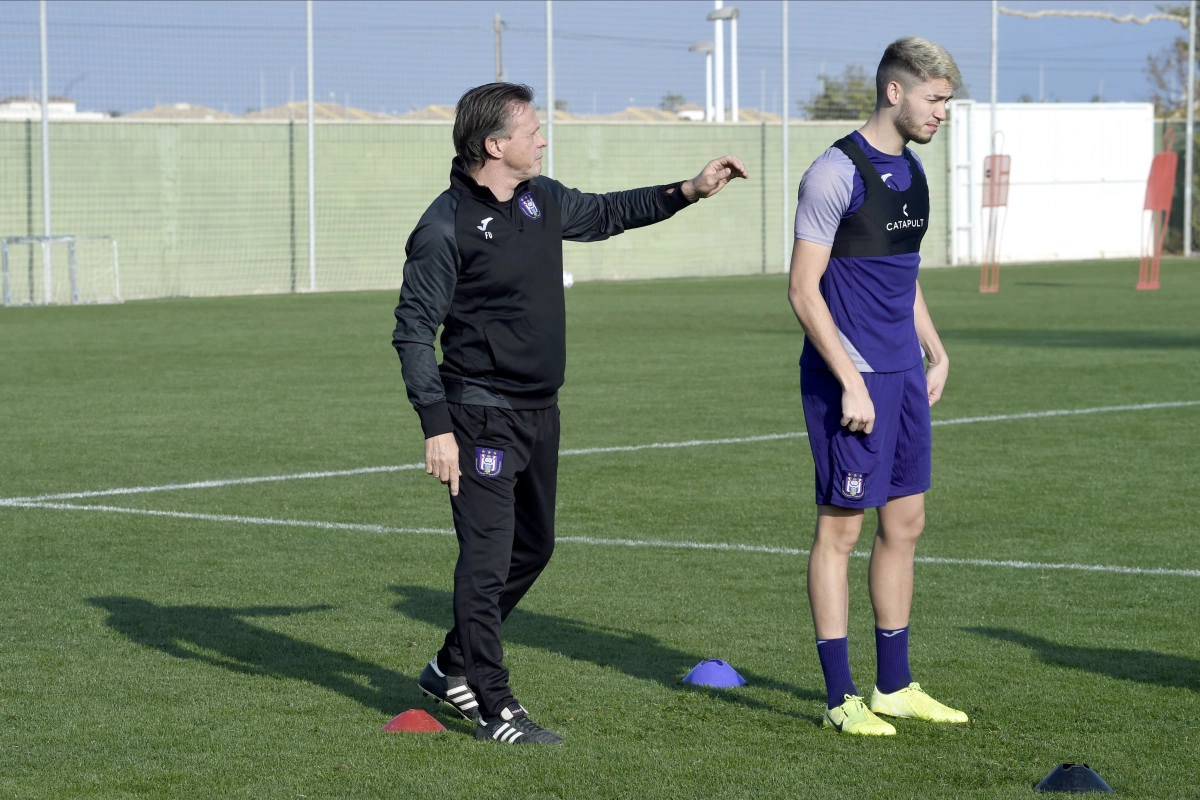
(395, 56)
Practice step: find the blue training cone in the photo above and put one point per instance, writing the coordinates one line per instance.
(716, 673)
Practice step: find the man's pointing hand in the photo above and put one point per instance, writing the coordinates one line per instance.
(713, 178)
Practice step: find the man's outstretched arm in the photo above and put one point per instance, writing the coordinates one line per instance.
(595, 217)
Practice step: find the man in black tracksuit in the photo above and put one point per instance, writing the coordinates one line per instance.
(485, 262)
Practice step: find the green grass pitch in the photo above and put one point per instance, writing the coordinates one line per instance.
(182, 656)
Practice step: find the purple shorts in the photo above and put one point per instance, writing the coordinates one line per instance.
(857, 470)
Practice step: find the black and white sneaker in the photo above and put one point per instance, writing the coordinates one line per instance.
(450, 689)
(515, 728)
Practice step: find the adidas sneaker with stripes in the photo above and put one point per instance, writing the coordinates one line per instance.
(449, 689)
(515, 727)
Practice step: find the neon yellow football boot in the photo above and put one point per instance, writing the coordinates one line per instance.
(913, 703)
(853, 716)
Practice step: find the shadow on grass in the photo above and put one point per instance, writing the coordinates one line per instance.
(1142, 666)
(635, 654)
(223, 638)
(1095, 339)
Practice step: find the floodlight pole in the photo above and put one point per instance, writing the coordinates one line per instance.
(717, 16)
(549, 89)
(733, 65)
(995, 31)
(47, 288)
(1189, 138)
(312, 189)
(789, 233)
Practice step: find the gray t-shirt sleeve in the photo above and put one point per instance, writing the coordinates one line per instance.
(825, 194)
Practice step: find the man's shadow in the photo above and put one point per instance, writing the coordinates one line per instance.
(222, 637)
(1142, 666)
(635, 654)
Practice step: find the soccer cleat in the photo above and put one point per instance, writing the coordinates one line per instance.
(450, 689)
(912, 702)
(854, 717)
(515, 728)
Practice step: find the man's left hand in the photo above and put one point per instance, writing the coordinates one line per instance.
(713, 178)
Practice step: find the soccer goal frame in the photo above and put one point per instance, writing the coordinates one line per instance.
(47, 242)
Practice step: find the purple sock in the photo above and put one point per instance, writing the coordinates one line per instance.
(835, 664)
(891, 659)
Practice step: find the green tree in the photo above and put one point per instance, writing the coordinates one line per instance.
(672, 102)
(1166, 71)
(851, 96)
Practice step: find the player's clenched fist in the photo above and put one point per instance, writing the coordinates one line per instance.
(441, 460)
(858, 412)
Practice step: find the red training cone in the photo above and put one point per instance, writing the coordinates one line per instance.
(414, 721)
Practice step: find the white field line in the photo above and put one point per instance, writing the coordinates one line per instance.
(170, 487)
(19, 501)
(656, 543)
(284, 523)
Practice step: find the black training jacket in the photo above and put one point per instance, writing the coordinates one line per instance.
(491, 272)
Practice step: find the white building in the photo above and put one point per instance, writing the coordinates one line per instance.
(61, 109)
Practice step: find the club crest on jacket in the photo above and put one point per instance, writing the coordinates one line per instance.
(528, 207)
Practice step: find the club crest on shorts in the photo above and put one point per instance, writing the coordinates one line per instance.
(528, 207)
(852, 485)
(488, 462)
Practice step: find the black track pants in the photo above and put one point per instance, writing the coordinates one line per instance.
(504, 519)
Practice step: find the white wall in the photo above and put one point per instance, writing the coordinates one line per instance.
(1078, 178)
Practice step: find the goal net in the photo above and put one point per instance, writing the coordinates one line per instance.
(62, 270)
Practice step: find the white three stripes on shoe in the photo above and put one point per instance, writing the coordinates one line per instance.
(506, 733)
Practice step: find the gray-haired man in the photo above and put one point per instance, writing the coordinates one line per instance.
(485, 262)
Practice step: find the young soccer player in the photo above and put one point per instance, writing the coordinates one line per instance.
(864, 381)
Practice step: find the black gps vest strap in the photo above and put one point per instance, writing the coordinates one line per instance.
(889, 222)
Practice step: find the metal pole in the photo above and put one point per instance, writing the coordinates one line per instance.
(496, 23)
(73, 269)
(312, 189)
(995, 28)
(7, 287)
(710, 111)
(1188, 228)
(719, 47)
(549, 89)
(733, 64)
(47, 288)
(788, 225)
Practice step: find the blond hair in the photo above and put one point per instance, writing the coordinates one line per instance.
(910, 60)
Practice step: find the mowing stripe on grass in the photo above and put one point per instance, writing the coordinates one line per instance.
(584, 451)
(656, 543)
